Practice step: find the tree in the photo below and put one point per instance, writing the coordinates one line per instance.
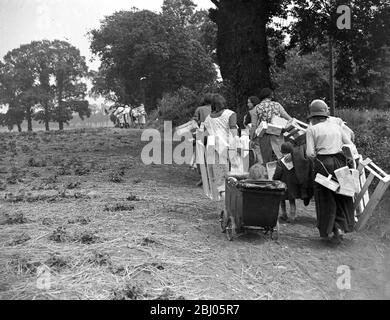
(18, 86)
(205, 31)
(181, 11)
(362, 65)
(25, 83)
(159, 48)
(300, 80)
(45, 93)
(242, 47)
(69, 69)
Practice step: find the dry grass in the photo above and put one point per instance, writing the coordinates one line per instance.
(152, 236)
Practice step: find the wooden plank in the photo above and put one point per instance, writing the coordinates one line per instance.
(327, 182)
(271, 168)
(364, 164)
(292, 132)
(295, 131)
(366, 196)
(376, 174)
(276, 145)
(236, 164)
(350, 152)
(245, 141)
(374, 201)
(210, 160)
(345, 179)
(364, 190)
(384, 174)
(201, 160)
(303, 124)
(239, 160)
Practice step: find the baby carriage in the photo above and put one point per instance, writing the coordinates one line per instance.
(251, 205)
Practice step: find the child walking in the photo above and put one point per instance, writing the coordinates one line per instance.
(289, 177)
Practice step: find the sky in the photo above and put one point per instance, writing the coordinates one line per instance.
(23, 21)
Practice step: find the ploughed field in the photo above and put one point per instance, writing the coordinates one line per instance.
(81, 217)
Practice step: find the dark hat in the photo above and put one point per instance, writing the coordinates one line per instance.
(318, 108)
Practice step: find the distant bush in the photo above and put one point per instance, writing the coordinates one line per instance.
(372, 130)
(302, 79)
(355, 119)
(179, 106)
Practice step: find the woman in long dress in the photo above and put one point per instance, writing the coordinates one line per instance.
(222, 124)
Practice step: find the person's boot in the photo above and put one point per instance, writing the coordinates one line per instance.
(337, 237)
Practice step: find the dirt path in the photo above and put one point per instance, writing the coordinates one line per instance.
(152, 233)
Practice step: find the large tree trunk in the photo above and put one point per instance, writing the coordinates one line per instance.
(60, 111)
(19, 127)
(46, 116)
(44, 79)
(29, 120)
(47, 128)
(242, 49)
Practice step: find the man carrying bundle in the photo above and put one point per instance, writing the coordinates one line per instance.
(324, 141)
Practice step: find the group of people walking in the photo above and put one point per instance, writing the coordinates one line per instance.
(127, 116)
(320, 153)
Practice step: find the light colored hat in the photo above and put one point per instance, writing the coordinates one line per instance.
(318, 108)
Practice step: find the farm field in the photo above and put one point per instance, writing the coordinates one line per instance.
(107, 226)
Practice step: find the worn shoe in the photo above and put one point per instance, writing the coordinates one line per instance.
(336, 240)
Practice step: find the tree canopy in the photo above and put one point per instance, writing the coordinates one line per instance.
(43, 80)
(362, 55)
(164, 50)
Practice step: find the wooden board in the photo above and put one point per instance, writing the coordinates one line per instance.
(271, 168)
(383, 184)
(211, 166)
(345, 180)
(186, 128)
(374, 201)
(295, 131)
(274, 129)
(201, 160)
(239, 156)
(276, 145)
(261, 129)
(245, 141)
(366, 196)
(350, 151)
(362, 198)
(327, 182)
